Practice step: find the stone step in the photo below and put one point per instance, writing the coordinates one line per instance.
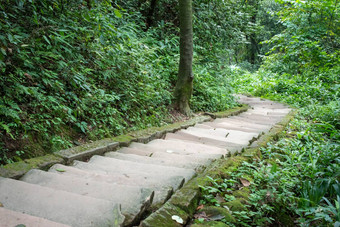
(163, 188)
(258, 102)
(127, 167)
(58, 206)
(247, 119)
(256, 116)
(266, 111)
(181, 135)
(232, 136)
(134, 200)
(156, 161)
(230, 126)
(204, 159)
(170, 176)
(234, 124)
(9, 218)
(183, 147)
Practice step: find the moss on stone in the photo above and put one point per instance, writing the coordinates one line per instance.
(123, 138)
(210, 224)
(242, 193)
(231, 112)
(18, 169)
(14, 170)
(44, 162)
(212, 211)
(163, 217)
(224, 167)
(236, 205)
(187, 199)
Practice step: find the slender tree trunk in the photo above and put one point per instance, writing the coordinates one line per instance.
(150, 13)
(254, 50)
(184, 86)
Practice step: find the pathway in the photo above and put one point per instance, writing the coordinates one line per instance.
(117, 189)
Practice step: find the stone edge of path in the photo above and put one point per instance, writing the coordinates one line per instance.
(86, 151)
(184, 201)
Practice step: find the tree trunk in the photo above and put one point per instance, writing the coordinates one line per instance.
(150, 14)
(184, 86)
(254, 49)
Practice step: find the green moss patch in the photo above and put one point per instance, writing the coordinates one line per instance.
(236, 205)
(18, 169)
(218, 213)
(231, 112)
(210, 224)
(163, 217)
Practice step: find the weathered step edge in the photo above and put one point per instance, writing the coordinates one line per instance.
(185, 200)
(86, 151)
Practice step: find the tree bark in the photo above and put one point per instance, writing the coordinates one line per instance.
(184, 85)
(150, 14)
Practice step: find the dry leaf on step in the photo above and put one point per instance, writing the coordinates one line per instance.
(200, 207)
(245, 182)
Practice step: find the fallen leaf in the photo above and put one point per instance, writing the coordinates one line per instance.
(178, 219)
(219, 198)
(200, 207)
(1, 205)
(245, 182)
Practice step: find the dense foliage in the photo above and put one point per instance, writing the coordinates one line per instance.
(297, 180)
(74, 71)
(81, 70)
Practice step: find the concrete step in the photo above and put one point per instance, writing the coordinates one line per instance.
(134, 200)
(252, 101)
(267, 111)
(127, 167)
(204, 159)
(247, 119)
(232, 136)
(156, 161)
(163, 188)
(218, 143)
(58, 206)
(261, 117)
(230, 126)
(234, 124)
(9, 218)
(182, 147)
(170, 176)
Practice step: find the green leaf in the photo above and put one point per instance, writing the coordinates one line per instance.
(60, 170)
(117, 13)
(46, 39)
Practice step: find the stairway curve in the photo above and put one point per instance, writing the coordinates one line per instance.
(117, 189)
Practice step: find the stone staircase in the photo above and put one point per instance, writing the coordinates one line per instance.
(118, 188)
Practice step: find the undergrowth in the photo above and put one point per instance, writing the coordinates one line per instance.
(72, 73)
